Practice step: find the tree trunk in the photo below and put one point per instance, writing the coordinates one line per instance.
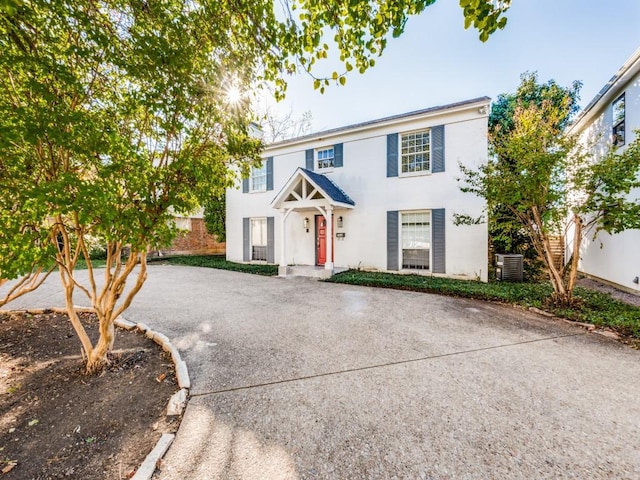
(106, 304)
(543, 246)
(99, 355)
(561, 293)
(575, 257)
(28, 283)
(87, 346)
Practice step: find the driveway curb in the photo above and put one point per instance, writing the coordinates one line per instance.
(176, 404)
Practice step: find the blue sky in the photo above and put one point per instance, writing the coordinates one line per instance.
(436, 61)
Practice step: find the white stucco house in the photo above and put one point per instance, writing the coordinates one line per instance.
(609, 120)
(379, 195)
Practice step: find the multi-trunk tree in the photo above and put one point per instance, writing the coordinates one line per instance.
(117, 114)
(506, 234)
(540, 182)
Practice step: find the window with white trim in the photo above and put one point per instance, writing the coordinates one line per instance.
(259, 239)
(618, 121)
(415, 235)
(415, 152)
(258, 178)
(324, 158)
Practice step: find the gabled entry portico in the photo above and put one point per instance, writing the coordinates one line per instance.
(310, 193)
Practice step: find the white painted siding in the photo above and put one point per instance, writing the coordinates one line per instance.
(363, 178)
(614, 258)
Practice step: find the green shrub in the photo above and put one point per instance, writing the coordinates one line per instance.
(218, 261)
(594, 307)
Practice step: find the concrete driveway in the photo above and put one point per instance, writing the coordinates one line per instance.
(301, 379)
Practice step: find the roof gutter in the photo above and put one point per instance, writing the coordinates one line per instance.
(609, 92)
(405, 117)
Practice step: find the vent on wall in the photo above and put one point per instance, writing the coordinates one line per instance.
(509, 267)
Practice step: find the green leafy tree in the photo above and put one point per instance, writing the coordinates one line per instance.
(117, 114)
(111, 119)
(485, 15)
(506, 233)
(547, 183)
(215, 217)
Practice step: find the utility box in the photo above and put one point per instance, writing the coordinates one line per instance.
(509, 267)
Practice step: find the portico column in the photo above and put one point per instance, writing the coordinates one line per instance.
(329, 216)
(283, 238)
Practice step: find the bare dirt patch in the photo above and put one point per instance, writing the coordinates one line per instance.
(56, 422)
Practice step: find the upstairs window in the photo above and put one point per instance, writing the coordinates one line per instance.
(325, 158)
(618, 121)
(415, 155)
(258, 178)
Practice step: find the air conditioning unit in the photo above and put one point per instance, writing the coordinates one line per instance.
(509, 267)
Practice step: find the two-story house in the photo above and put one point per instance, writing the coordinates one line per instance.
(609, 121)
(379, 195)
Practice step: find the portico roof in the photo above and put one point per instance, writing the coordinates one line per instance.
(308, 189)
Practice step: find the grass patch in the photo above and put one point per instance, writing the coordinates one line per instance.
(596, 308)
(216, 261)
(82, 265)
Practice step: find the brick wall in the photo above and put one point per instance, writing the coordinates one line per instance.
(196, 241)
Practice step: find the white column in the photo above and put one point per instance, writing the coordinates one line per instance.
(283, 238)
(329, 216)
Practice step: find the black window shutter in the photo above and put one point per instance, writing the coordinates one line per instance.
(392, 155)
(245, 185)
(246, 239)
(309, 159)
(337, 155)
(270, 240)
(437, 149)
(270, 173)
(392, 240)
(438, 240)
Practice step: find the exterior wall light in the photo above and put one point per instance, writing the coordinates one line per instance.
(339, 222)
(306, 224)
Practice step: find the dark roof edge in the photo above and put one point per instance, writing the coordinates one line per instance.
(628, 65)
(414, 113)
(319, 178)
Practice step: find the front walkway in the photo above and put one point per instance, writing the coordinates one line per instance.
(294, 378)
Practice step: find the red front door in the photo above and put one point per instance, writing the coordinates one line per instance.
(321, 240)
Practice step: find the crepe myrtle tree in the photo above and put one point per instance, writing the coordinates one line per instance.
(505, 230)
(548, 183)
(115, 115)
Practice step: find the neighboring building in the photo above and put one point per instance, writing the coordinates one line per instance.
(611, 118)
(390, 186)
(193, 239)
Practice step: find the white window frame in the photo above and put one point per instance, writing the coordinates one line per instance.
(402, 154)
(331, 158)
(617, 124)
(258, 178)
(416, 247)
(251, 239)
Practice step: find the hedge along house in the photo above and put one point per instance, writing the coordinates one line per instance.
(609, 121)
(379, 195)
